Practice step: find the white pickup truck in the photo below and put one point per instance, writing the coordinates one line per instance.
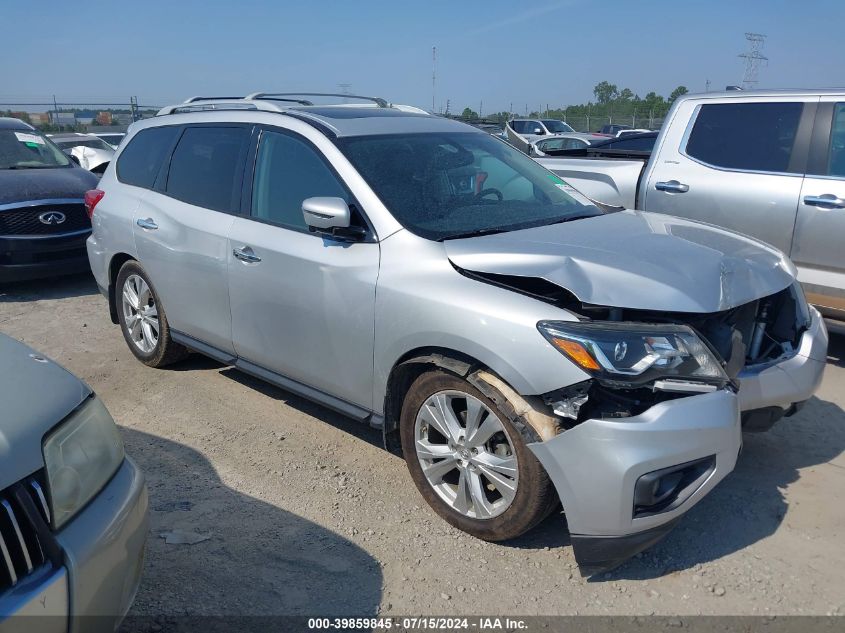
(770, 164)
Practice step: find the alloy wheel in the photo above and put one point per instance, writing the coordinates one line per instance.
(140, 313)
(466, 454)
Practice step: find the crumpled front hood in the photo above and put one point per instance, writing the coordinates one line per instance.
(35, 396)
(637, 260)
(20, 185)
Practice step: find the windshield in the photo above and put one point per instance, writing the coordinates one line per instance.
(28, 149)
(556, 127)
(441, 186)
(94, 143)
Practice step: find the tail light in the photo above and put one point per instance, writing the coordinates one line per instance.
(92, 197)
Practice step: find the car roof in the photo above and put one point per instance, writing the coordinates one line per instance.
(339, 120)
(780, 92)
(8, 123)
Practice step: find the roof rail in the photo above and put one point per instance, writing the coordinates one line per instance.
(382, 103)
(208, 103)
(195, 99)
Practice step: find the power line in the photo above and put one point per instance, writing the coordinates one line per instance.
(753, 59)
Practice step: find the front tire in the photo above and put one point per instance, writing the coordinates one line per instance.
(469, 462)
(142, 318)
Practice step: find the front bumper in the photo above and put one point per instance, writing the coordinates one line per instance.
(34, 257)
(791, 381)
(103, 551)
(595, 466)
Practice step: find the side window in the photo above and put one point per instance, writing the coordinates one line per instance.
(752, 136)
(140, 161)
(518, 126)
(207, 167)
(836, 158)
(287, 172)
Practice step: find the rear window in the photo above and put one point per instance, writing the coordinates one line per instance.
(750, 136)
(207, 167)
(140, 161)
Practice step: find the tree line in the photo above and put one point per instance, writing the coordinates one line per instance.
(610, 104)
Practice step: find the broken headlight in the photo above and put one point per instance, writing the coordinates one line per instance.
(635, 353)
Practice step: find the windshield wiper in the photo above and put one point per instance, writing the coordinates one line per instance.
(31, 166)
(476, 233)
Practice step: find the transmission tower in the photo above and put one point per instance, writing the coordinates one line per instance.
(753, 59)
(344, 88)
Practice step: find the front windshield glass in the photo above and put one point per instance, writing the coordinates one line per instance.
(28, 149)
(93, 143)
(556, 127)
(443, 186)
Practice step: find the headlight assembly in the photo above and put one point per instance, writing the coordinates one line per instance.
(81, 455)
(635, 353)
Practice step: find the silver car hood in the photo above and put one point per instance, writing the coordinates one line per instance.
(35, 395)
(633, 259)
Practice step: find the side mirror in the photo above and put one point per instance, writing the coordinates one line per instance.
(325, 214)
(539, 131)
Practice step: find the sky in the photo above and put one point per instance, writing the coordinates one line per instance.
(495, 53)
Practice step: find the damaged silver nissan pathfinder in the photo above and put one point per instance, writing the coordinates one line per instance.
(525, 346)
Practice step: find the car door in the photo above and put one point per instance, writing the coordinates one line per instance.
(739, 164)
(303, 304)
(820, 226)
(181, 230)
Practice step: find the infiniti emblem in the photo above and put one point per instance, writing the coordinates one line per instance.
(51, 217)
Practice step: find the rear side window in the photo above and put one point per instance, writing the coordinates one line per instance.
(207, 167)
(140, 161)
(750, 136)
(287, 172)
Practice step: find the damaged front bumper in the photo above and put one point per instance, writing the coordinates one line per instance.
(608, 471)
(767, 392)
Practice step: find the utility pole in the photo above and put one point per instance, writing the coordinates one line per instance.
(56, 110)
(433, 77)
(753, 59)
(344, 89)
(707, 86)
(481, 109)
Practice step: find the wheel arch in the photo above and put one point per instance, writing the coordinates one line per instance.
(530, 415)
(115, 264)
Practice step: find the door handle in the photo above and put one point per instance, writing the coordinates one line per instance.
(825, 200)
(672, 186)
(146, 223)
(246, 254)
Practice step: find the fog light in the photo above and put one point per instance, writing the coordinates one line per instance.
(666, 489)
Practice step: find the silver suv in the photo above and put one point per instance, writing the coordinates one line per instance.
(525, 346)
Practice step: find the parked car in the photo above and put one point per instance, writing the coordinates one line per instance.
(638, 130)
(770, 164)
(558, 142)
(613, 129)
(523, 345)
(112, 138)
(43, 224)
(73, 506)
(92, 152)
(523, 133)
(631, 145)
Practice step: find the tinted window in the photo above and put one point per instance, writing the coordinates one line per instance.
(207, 166)
(441, 186)
(836, 159)
(753, 136)
(141, 160)
(643, 144)
(287, 172)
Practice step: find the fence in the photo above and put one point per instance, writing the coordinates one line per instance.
(60, 116)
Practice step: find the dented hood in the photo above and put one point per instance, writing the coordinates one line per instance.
(633, 259)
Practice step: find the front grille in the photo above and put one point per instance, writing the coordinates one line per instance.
(25, 220)
(24, 514)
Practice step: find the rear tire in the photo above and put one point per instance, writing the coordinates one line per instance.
(142, 318)
(495, 489)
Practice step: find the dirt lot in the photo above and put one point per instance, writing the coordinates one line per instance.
(304, 513)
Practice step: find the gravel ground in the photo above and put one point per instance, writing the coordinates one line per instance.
(296, 510)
